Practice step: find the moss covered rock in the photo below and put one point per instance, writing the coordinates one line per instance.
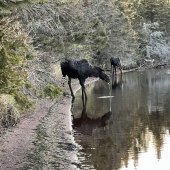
(9, 112)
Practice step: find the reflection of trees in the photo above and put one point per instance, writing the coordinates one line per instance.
(154, 118)
(156, 126)
(133, 122)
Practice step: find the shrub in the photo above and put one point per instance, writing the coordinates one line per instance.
(23, 101)
(52, 91)
(9, 112)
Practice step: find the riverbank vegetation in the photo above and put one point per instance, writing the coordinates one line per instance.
(35, 35)
(15, 47)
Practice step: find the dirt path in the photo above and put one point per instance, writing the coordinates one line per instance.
(17, 142)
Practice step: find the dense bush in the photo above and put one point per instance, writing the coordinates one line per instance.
(14, 47)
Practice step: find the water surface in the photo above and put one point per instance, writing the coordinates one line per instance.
(129, 130)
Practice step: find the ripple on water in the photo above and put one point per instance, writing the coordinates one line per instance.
(105, 97)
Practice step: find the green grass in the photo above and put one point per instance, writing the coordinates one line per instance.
(52, 91)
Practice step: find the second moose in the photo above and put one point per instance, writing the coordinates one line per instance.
(115, 63)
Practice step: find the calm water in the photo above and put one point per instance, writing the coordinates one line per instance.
(130, 130)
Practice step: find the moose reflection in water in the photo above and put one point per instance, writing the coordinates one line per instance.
(138, 127)
(117, 82)
(85, 124)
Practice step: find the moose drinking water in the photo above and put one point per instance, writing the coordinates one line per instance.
(81, 70)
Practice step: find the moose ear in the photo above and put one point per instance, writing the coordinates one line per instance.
(99, 69)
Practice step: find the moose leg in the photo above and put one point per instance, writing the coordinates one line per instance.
(112, 70)
(69, 83)
(84, 95)
(120, 68)
(83, 99)
(115, 70)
